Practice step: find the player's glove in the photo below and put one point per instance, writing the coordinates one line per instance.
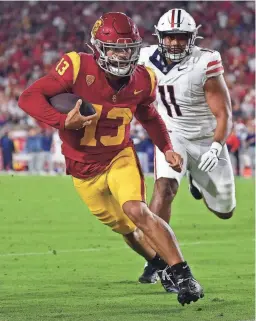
(210, 159)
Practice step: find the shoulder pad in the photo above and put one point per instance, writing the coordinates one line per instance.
(145, 53)
(152, 77)
(211, 63)
(67, 68)
(76, 62)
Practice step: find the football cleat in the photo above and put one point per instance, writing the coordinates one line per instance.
(167, 280)
(149, 274)
(193, 189)
(189, 290)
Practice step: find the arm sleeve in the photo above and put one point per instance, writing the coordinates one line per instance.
(155, 126)
(34, 100)
(150, 119)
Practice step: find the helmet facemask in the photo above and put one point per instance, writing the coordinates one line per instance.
(124, 58)
(176, 53)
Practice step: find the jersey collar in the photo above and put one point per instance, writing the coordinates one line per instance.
(158, 61)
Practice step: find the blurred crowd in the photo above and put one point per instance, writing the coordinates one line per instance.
(34, 35)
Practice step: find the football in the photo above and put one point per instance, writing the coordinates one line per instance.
(66, 102)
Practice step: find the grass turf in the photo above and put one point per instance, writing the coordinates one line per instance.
(57, 262)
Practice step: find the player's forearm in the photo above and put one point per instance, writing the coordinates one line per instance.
(156, 129)
(34, 102)
(218, 99)
(223, 128)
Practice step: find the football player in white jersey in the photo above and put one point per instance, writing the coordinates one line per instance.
(194, 102)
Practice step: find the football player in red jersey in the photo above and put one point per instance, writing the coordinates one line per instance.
(98, 150)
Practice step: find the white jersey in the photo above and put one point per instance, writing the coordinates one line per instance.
(180, 94)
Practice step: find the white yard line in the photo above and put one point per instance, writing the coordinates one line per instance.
(96, 249)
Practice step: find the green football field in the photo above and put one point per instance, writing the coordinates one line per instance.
(57, 262)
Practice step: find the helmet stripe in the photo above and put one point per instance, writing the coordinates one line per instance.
(172, 19)
(179, 14)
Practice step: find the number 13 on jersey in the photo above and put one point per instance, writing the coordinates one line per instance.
(90, 131)
(62, 67)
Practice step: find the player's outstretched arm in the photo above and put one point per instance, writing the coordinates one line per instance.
(152, 122)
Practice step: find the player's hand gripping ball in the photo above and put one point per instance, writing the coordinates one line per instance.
(79, 113)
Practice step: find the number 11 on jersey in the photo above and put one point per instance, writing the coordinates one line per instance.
(163, 95)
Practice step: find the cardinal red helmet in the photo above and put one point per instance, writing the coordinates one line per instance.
(117, 42)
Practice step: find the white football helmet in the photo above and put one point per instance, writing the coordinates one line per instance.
(176, 21)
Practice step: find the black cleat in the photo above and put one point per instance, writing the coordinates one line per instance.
(167, 280)
(189, 289)
(149, 274)
(193, 189)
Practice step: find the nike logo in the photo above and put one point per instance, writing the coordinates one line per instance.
(181, 68)
(137, 92)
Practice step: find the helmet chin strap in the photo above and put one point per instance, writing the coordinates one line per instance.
(176, 57)
(114, 70)
(119, 71)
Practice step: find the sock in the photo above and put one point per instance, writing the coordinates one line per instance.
(181, 269)
(158, 263)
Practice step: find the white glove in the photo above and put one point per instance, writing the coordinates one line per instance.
(210, 159)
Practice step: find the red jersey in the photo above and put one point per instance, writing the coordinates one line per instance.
(89, 150)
